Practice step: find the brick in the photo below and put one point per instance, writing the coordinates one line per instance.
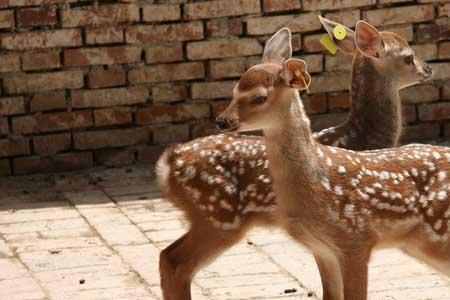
(441, 71)
(212, 90)
(30, 83)
(107, 78)
(223, 8)
(315, 104)
(10, 147)
(419, 94)
(43, 39)
(40, 60)
(9, 63)
(409, 113)
(446, 91)
(234, 67)
(204, 129)
(100, 15)
(4, 126)
(224, 27)
(172, 113)
(314, 62)
(18, 3)
(338, 62)
(223, 48)
(434, 111)
(58, 163)
(155, 13)
(170, 32)
(426, 51)
(421, 132)
(51, 144)
(48, 101)
(102, 56)
(12, 106)
(171, 134)
(311, 43)
(444, 10)
(149, 154)
(405, 30)
(28, 17)
(169, 93)
(111, 138)
(346, 17)
(109, 97)
(108, 35)
(271, 24)
(5, 168)
(319, 122)
(164, 53)
(115, 157)
(399, 15)
(444, 50)
(112, 116)
(335, 4)
(296, 41)
(281, 5)
(218, 107)
(337, 101)
(6, 19)
(52, 122)
(434, 32)
(167, 72)
(330, 83)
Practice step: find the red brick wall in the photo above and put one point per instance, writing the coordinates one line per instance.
(107, 83)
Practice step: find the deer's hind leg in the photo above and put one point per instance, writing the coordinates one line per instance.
(181, 260)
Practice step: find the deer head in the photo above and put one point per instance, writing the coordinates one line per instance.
(388, 52)
(276, 79)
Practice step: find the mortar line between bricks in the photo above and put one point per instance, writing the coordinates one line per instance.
(141, 279)
(204, 290)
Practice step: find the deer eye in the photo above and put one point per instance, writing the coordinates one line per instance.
(409, 60)
(259, 100)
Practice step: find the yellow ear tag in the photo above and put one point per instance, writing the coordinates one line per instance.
(339, 32)
(299, 74)
(328, 43)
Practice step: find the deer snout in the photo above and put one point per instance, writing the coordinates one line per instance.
(225, 124)
(428, 70)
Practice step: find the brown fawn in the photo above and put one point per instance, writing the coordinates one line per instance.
(222, 182)
(339, 203)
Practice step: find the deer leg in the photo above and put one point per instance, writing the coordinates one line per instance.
(330, 275)
(436, 255)
(354, 267)
(180, 261)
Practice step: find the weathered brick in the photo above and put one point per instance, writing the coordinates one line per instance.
(161, 12)
(444, 10)
(405, 30)
(52, 144)
(171, 134)
(108, 97)
(5, 168)
(107, 78)
(441, 71)
(421, 132)
(223, 48)
(100, 15)
(311, 43)
(108, 35)
(409, 113)
(218, 107)
(335, 4)
(14, 147)
(281, 5)
(322, 121)
(48, 101)
(426, 51)
(339, 101)
(330, 83)
(212, 90)
(42, 39)
(41, 60)
(444, 50)
(296, 23)
(30, 83)
(9, 62)
(338, 62)
(434, 111)
(111, 138)
(6, 19)
(57, 163)
(315, 104)
(4, 126)
(433, 32)
(172, 113)
(400, 15)
(169, 32)
(52, 122)
(28, 17)
(149, 154)
(19, 3)
(164, 53)
(112, 116)
(115, 157)
(224, 27)
(346, 17)
(167, 72)
(223, 8)
(169, 93)
(102, 56)
(234, 67)
(314, 62)
(12, 106)
(419, 94)
(446, 91)
(204, 129)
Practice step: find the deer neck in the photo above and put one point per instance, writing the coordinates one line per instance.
(375, 116)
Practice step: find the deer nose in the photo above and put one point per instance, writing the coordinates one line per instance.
(223, 123)
(428, 70)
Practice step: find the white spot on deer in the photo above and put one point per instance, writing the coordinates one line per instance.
(442, 195)
(338, 190)
(436, 155)
(341, 170)
(230, 226)
(354, 182)
(225, 205)
(348, 210)
(326, 183)
(442, 175)
(438, 225)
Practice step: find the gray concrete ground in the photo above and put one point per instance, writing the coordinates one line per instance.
(97, 235)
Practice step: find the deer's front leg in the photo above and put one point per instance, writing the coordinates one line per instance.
(330, 275)
(354, 267)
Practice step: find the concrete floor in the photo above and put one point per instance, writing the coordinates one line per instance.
(97, 235)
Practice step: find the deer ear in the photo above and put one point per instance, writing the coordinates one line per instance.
(368, 40)
(278, 48)
(295, 74)
(347, 44)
